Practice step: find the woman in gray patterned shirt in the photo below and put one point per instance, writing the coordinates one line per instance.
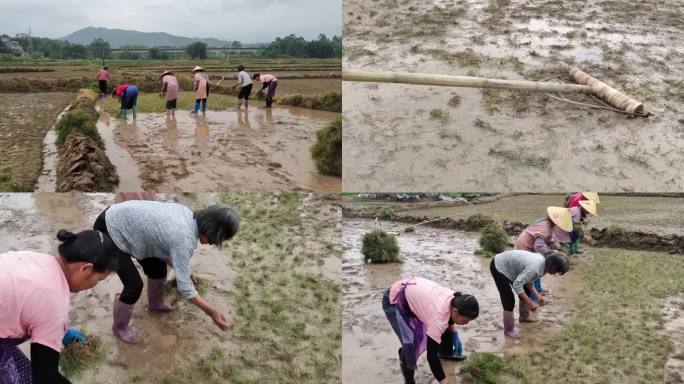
(158, 234)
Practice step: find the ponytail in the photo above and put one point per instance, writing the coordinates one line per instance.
(466, 305)
(90, 247)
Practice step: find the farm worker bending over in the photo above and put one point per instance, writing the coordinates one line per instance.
(545, 234)
(129, 99)
(579, 202)
(245, 84)
(170, 88)
(156, 234)
(103, 78)
(201, 89)
(421, 312)
(515, 271)
(35, 290)
(270, 82)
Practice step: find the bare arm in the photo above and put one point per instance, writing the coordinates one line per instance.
(215, 315)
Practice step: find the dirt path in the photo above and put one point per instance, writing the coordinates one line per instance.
(24, 120)
(227, 150)
(499, 140)
(369, 346)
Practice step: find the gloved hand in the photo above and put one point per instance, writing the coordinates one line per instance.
(73, 335)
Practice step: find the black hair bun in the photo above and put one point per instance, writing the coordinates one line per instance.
(457, 294)
(65, 236)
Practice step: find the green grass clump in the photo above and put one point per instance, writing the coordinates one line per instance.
(440, 115)
(327, 151)
(493, 240)
(482, 368)
(410, 229)
(379, 246)
(78, 357)
(9, 185)
(77, 121)
(171, 291)
(386, 212)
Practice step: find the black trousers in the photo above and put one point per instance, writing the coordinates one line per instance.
(505, 288)
(153, 268)
(103, 86)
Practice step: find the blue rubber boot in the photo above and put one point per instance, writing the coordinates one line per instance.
(197, 106)
(204, 105)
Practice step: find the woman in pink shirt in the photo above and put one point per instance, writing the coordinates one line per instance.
(421, 312)
(270, 82)
(170, 88)
(34, 302)
(544, 234)
(103, 79)
(201, 89)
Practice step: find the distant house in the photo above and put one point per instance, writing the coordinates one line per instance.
(14, 46)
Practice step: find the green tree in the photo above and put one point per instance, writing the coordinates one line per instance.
(156, 53)
(197, 50)
(236, 44)
(99, 48)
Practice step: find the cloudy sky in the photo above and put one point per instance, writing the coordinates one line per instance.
(250, 21)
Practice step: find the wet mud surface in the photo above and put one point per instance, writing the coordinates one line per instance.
(499, 140)
(673, 316)
(24, 121)
(369, 346)
(266, 150)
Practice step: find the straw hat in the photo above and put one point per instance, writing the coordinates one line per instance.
(593, 196)
(590, 206)
(198, 68)
(560, 216)
(165, 73)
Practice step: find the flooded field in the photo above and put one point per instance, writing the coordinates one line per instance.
(630, 320)
(24, 120)
(369, 346)
(305, 264)
(226, 150)
(497, 140)
(654, 214)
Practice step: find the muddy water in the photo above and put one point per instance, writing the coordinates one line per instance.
(369, 347)
(673, 315)
(263, 150)
(30, 221)
(531, 143)
(126, 167)
(47, 180)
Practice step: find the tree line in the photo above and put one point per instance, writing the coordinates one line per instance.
(289, 46)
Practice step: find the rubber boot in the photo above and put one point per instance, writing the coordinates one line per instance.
(155, 296)
(122, 317)
(406, 371)
(269, 102)
(524, 312)
(204, 105)
(509, 325)
(135, 112)
(124, 113)
(197, 107)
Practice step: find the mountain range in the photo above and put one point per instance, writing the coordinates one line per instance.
(121, 37)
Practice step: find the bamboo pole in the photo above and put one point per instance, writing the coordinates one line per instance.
(611, 95)
(462, 81)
